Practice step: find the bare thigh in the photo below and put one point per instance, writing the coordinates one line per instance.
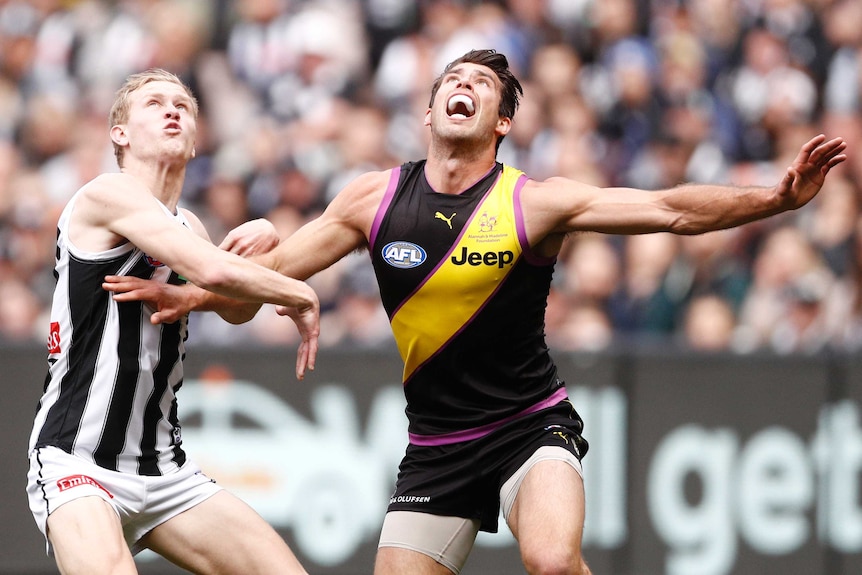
(396, 561)
(223, 535)
(87, 539)
(549, 530)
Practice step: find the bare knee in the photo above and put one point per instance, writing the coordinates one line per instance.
(554, 562)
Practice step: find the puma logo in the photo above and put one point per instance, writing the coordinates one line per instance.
(439, 216)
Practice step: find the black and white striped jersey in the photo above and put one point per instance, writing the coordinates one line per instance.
(110, 393)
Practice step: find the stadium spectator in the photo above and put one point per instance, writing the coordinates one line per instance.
(650, 94)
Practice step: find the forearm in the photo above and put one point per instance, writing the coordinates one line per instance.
(176, 301)
(695, 209)
(231, 310)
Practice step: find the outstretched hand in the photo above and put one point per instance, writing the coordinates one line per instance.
(806, 175)
(169, 301)
(307, 321)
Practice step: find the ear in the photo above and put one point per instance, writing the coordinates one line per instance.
(118, 135)
(194, 152)
(427, 120)
(503, 126)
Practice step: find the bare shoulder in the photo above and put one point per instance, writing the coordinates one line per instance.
(556, 193)
(368, 184)
(556, 184)
(99, 203)
(358, 200)
(109, 194)
(110, 183)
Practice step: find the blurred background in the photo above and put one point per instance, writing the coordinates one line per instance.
(719, 376)
(300, 96)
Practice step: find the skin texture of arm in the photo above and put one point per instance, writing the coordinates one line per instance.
(559, 206)
(554, 208)
(118, 207)
(342, 228)
(172, 301)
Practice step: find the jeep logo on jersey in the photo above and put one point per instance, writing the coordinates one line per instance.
(403, 255)
(498, 259)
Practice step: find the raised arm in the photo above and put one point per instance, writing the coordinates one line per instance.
(122, 206)
(118, 206)
(251, 238)
(559, 206)
(343, 227)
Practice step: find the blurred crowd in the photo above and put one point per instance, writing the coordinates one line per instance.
(299, 96)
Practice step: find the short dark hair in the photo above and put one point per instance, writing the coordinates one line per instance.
(499, 64)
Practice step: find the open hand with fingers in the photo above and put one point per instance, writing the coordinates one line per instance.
(806, 175)
(307, 321)
(170, 302)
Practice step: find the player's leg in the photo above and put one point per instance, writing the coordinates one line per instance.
(87, 539)
(424, 544)
(222, 535)
(549, 528)
(394, 560)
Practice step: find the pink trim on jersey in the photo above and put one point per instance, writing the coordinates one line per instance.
(526, 249)
(482, 431)
(446, 257)
(479, 179)
(384, 205)
(439, 265)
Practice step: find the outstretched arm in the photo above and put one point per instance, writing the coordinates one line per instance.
(172, 302)
(341, 229)
(559, 206)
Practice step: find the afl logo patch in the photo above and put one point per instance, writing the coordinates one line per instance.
(403, 255)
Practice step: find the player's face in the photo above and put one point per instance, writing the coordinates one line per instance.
(161, 121)
(467, 105)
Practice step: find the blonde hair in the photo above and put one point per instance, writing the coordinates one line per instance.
(120, 109)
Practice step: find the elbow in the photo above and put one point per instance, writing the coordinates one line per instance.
(216, 278)
(240, 314)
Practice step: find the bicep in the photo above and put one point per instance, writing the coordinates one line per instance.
(560, 206)
(137, 216)
(343, 227)
(316, 246)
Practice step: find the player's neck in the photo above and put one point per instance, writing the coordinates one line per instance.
(165, 181)
(453, 173)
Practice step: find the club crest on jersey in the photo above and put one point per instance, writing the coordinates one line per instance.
(403, 255)
(487, 223)
(153, 262)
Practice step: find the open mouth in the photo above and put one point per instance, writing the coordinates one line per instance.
(460, 107)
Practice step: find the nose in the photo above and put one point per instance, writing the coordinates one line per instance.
(172, 112)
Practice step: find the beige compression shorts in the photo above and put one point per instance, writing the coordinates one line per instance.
(448, 540)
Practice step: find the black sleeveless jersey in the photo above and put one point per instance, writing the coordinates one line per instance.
(466, 298)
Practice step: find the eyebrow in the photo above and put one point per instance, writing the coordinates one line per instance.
(473, 72)
(165, 95)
